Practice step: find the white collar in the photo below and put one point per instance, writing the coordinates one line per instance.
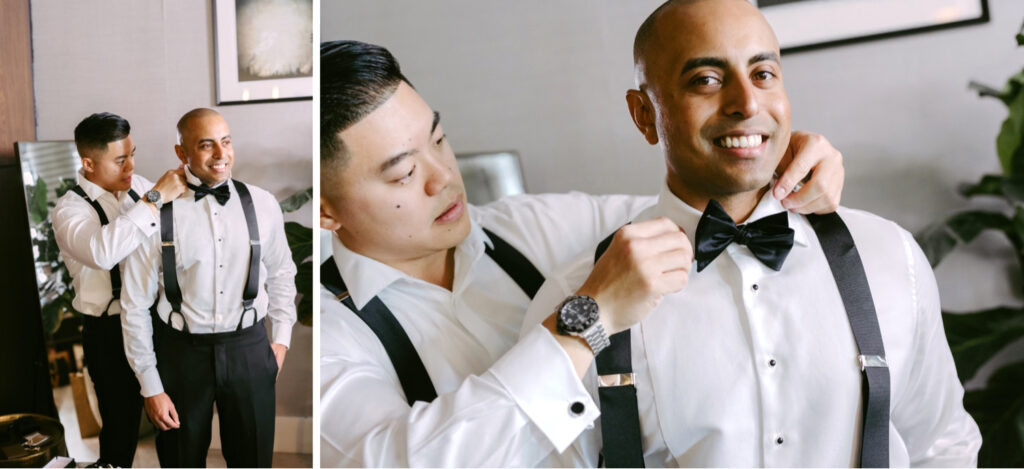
(94, 191)
(192, 179)
(366, 278)
(687, 217)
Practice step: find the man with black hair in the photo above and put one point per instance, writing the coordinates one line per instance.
(217, 269)
(424, 294)
(97, 224)
(798, 341)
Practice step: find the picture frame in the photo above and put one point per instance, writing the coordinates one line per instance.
(803, 25)
(263, 50)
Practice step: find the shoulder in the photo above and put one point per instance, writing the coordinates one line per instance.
(343, 335)
(67, 206)
(261, 196)
(874, 231)
(141, 184)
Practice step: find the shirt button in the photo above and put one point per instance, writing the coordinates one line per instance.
(577, 408)
(219, 239)
(771, 363)
(754, 287)
(152, 224)
(779, 440)
(221, 293)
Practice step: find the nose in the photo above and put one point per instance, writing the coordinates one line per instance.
(740, 98)
(438, 176)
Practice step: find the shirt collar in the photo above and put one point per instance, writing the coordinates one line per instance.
(366, 278)
(687, 217)
(94, 191)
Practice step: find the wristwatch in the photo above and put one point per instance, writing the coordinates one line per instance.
(153, 197)
(578, 316)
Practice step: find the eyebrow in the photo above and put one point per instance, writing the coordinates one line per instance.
(721, 63)
(394, 160)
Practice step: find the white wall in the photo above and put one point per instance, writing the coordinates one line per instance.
(150, 62)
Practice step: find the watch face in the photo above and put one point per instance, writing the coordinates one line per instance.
(577, 314)
(152, 196)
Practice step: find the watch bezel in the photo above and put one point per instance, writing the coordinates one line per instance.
(584, 308)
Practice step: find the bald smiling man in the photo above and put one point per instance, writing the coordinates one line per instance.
(217, 268)
(798, 340)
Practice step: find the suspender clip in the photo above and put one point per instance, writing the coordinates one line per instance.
(343, 295)
(875, 361)
(254, 242)
(167, 243)
(621, 379)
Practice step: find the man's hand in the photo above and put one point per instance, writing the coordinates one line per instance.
(161, 412)
(279, 351)
(810, 154)
(644, 262)
(171, 184)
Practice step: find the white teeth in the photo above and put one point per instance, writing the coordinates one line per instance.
(746, 141)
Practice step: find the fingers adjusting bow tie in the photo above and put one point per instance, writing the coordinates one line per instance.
(221, 192)
(769, 238)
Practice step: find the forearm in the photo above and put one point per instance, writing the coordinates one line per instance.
(513, 415)
(103, 247)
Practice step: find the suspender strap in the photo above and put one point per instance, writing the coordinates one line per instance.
(134, 195)
(620, 418)
(848, 271)
(515, 264)
(252, 280)
(411, 373)
(115, 271)
(171, 288)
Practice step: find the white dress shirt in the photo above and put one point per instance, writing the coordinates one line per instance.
(752, 367)
(499, 403)
(212, 261)
(89, 249)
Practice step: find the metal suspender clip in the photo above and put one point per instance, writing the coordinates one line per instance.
(613, 380)
(254, 242)
(343, 295)
(872, 361)
(167, 243)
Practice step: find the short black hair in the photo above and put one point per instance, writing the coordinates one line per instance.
(355, 79)
(97, 130)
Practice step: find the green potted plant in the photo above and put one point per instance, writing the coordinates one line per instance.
(975, 337)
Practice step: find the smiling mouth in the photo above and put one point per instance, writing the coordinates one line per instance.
(741, 141)
(452, 212)
(219, 166)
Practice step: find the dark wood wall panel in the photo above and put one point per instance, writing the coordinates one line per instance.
(17, 108)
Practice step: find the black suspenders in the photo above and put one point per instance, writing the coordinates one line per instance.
(411, 373)
(115, 272)
(623, 447)
(172, 290)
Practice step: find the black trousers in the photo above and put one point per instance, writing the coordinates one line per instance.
(117, 390)
(236, 371)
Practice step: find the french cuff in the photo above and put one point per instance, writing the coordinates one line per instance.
(150, 383)
(281, 333)
(541, 379)
(142, 216)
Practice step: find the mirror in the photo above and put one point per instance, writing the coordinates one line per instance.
(490, 176)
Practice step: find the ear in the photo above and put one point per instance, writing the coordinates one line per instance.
(328, 220)
(88, 164)
(178, 150)
(642, 111)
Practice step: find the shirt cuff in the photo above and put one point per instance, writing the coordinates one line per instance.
(143, 217)
(281, 333)
(540, 377)
(150, 382)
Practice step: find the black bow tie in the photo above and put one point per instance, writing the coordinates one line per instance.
(769, 238)
(221, 192)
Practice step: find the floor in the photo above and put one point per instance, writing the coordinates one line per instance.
(86, 450)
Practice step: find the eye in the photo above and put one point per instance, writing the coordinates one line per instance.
(405, 179)
(764, 75)
(705, 80)
(439, 141)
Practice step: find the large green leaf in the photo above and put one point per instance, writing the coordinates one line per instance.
(300, 240)
(1008, 142)
(975, 337)
(37, 201)
(999, 411)
(296, 201)
(939, 239)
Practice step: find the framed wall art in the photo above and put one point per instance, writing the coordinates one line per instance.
(263, 50)
(812, 24)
